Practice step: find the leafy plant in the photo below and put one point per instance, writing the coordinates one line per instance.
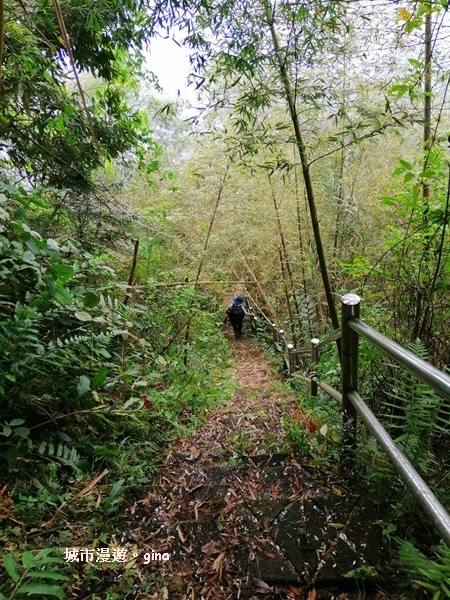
(34, 574)
(434, 575)
(413, 413)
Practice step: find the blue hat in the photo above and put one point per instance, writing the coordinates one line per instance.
(239, 300)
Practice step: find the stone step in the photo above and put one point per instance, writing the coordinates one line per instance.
(302, 542)
(269, 518)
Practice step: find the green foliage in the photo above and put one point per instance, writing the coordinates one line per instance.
(296, 436)
(93, 377)
(413, 414)
(35, 574)
(43, 125)
(431, 574)
(415, 268)
(365, 572)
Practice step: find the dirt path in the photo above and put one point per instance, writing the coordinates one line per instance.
(238, 516)
(251, 422)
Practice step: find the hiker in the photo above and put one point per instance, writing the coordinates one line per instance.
(236, 312)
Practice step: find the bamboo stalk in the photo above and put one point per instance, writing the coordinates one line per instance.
(305, 167)
(261, 291)
(131, 278)
(2, 42)
(286, 294)
(285, 266)
(259, 309)
(202, 258)
(68, 47)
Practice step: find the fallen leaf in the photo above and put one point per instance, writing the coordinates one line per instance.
(312, 594)
(217, 564)
(180, 534)
(323, 430)
(185, 572)
(209, 548)
(261, 586)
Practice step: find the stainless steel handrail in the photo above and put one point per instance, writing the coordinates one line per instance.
(411, 477)
(439, 381)
(352, 403)
(334, 335)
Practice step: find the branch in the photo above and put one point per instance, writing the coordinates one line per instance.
(65, 38)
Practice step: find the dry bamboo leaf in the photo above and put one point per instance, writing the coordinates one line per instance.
(312, 594)
(185, 572)
(209, 548)
(261, 586)
(217, 564)
(180, 534)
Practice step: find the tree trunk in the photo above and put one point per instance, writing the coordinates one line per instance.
(305, 171)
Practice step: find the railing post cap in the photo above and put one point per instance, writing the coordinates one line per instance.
(281, 331)
(315, 341)
(290, 346)
(274, 325)
(351, 299)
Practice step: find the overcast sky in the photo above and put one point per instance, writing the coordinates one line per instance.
(171, 64)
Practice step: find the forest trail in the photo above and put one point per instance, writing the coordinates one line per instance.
(241, 518)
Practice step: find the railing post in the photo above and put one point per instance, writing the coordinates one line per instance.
(290, 347)
(349, 363)
(314, 363)
(274, 333)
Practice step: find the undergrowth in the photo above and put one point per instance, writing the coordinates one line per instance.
(96, 380)
(417, 419)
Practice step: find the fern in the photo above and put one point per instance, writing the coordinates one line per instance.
(306, 318)
(431, 574)
(62, 454)
(413, 414)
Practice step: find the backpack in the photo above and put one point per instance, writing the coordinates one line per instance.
(236, 309)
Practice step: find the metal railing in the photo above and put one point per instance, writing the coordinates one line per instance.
(353, 405)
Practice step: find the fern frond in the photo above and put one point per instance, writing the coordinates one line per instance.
(62, 454)
(412, 413)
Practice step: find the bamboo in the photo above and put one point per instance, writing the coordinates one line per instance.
(305, 170)
(132, 278)
(285, 264)
(2, 42)
(259, 308)
(300, 236)
(65, 38)
(261, 291)
(202, 258)
(286, 292)
(200, 283)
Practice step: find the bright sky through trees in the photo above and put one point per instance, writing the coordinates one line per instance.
(170, 64)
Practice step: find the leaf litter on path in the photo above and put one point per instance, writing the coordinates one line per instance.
(217, 502)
